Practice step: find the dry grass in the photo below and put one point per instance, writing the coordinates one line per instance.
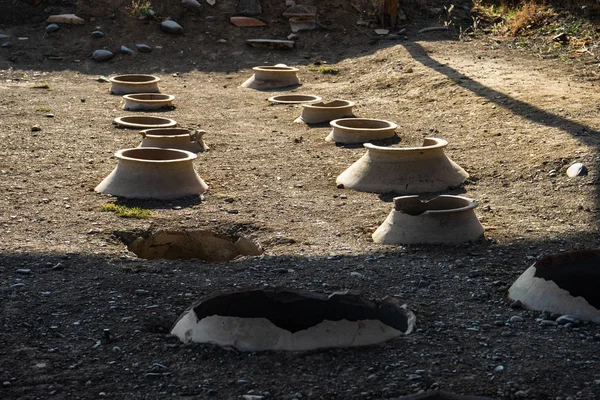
(530, 16)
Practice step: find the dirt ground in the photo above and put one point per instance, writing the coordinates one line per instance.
(513, 121)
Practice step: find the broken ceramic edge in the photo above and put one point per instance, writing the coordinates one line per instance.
(198, 244)
(404, 171)
(285, 319)
(153, 173)
(294, 99)
(441, 395)
(360, 130)
(272, 77)
(565, 283)
(246, 22)
(444, 219)
(133, 83)
(144, 122)
(147, 101)
(174, 138)
(318, 113)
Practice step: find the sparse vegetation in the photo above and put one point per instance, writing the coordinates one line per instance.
(324, 70)
(126, 212)
(43, 109)
(44, 85)
(141, 8)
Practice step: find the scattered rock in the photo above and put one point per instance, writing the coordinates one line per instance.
(35, 128)
(382, 31)
(246, 22)
(17, 285)
(7, 44)
(66, 19)
(271, 43)
(126, 50)
(3, 36)
(552, 173)
(52, 28)
(248, 7)
(211, 2)
(98, 34)
(143, 48)
(192, 5)
(566, 319)
(577, 169)
(516, 319)
(102, 55)
(6, 383)
(298, 24)
(49, 115)
(171, 27)
(102, 79)
(300, 11)
(58, 267)
(499, 368)
(252, 397)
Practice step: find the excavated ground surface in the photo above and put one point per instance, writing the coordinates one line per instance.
(513, 121)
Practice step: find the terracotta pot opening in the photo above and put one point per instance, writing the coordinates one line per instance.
(576, 272)
(152, 154)
(415, 206)
(294, 98)
(133, 79)
(286, 319)
(144, 122)
(148, 97)
(363, 123)
(273, 68)
(332, 104)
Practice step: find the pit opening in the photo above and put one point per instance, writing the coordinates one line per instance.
(135, 78)
(144, 122)
(176, 244)
(167, 132)
(296, 311)
(148, 97)
(413, 205)
(275, 69)
(154, 154)
(332, 104)
(363, 123)
(577, 272)
(294, 99)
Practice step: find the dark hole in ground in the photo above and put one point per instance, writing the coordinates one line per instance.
(174, 244)
(299, 310)
(577, 272)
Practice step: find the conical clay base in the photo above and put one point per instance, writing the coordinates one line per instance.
(153, 173)
(272, 77)
(442, 220)
(403, 171)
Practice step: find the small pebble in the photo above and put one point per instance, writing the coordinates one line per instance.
(577, 169)
(565, 319)
(102, 55)
(98, 34)
(126, 50)
(172, 27)
(52, 28)
(7, 44)
(23, 271)
(35, 128)
(143, 48)
(499, 368)
(516, 318)
(516, 304)
(17, 285)
(6, 383)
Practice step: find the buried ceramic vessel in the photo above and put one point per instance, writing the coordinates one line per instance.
(134, 83)
(360, 130)
(147, 101)
(144, 122)
(404, 170)
(285, 319)
(318, 113)
(294, 99)
(174, 138)
(444, 220)
(565, 283)
(153, 173)
(272, 77)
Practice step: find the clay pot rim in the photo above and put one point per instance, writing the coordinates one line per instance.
(118, 79)
(188, 155)
(122, 121)
(281, 99)
(184, 132)
(165, 97)
(472, 204)
(348, 104)
(273, 68)
(439, 144)
(336, 124)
